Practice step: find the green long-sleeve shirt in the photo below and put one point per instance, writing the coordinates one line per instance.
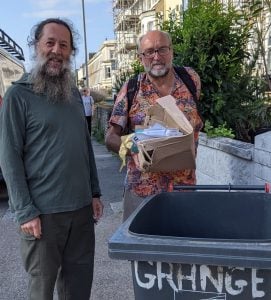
(45, 153)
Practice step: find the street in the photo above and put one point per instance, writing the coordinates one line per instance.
(112, 278)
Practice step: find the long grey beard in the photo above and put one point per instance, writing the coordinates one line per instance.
(56, 87)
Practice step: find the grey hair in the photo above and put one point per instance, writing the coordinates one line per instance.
(166, 34)
(37, 30)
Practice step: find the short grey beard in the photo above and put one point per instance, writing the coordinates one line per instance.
(157, 73)
(56, 87)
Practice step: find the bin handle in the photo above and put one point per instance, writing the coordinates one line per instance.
(229, 187)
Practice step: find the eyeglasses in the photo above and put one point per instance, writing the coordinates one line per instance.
(150, 53)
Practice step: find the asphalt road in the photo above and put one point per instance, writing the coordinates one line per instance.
(112, 278)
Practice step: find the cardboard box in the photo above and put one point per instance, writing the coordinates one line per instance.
(167, 154)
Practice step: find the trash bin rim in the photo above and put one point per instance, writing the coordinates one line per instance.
(207, 240)
(127, 245)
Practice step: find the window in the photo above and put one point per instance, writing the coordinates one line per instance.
(185, 4)
(112, 54)
(113, 65)
(107, 72)
(269, 61)
(269, 54)
(150, 25)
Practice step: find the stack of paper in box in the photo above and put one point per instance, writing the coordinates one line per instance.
(167, 153)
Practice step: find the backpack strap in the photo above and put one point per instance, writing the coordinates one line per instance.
(190, 84)
(132, 89)
(187, 80)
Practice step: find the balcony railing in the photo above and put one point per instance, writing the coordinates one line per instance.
(7, 43)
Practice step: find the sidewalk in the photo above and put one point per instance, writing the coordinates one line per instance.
(112, 278)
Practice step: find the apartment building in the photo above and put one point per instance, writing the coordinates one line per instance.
(100, 67)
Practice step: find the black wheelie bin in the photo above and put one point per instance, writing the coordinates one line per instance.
(198, 245)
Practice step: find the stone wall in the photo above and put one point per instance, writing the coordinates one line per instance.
(224, 161)
(101, 117)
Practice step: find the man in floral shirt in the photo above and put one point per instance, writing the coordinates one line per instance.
(159, 79)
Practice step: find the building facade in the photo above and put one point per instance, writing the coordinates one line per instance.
(11, 66)
(100, 67)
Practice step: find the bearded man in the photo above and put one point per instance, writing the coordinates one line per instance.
(48, 164)
(159, 79)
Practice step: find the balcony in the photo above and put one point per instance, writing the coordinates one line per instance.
(8, 44)
(126, 40)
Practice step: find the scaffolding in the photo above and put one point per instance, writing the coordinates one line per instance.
(126, 16)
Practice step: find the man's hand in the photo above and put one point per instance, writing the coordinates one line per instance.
(113, 138)
(98, 207)
(32, 227)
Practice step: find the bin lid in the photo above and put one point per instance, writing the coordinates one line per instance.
(215, 228)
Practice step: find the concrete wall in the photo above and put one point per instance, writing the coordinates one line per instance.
(224, 161)
(262, 158)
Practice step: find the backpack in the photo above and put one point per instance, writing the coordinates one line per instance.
(133, 86)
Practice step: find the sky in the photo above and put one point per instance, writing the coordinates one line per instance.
(19, 16)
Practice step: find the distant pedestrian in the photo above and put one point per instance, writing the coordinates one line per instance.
(88, 107)
(48, 164)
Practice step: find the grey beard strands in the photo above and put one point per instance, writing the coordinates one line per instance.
(57, 88)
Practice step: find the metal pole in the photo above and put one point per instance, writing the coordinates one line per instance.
(85, 40)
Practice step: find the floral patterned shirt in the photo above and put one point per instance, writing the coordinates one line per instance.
(145, 184)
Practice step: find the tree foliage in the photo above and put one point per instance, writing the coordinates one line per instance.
(121, 78)
(214, 41)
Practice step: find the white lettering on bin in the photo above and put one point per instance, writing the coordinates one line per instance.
(147, 285)
(255, 280)
(192, 277)
(240, 284)
(205, 273)
(221, 279)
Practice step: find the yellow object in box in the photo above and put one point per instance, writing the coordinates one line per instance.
(167, 154)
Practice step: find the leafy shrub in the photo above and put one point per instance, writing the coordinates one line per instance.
(98, 133)
(221, 130)
(214, 41)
